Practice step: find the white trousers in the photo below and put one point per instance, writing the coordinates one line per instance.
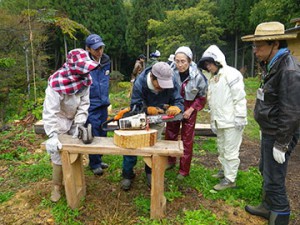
(229, 141)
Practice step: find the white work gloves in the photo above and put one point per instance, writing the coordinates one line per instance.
(278, 155)
(53, 144)
(240, 123)
(213, 127)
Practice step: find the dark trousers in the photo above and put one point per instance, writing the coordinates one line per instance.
(96, 118)
(274, 174)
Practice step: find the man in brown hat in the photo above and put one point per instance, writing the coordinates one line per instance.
(277, 111)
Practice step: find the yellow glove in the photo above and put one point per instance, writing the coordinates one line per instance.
(121, 113)
(173, 111)
(151, 110)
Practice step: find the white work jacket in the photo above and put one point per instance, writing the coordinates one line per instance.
(61, 111)
(226, 97)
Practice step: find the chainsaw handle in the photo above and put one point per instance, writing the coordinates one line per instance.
(104, 125)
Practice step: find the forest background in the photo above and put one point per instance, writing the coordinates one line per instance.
(36, 35)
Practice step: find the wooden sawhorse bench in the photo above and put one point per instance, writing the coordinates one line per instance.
(155, 156)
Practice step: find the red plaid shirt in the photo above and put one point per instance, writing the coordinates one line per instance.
(74, 74)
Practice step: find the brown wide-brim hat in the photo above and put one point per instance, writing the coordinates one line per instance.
(269, 31)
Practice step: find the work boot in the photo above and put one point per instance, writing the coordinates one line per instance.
(279, 218)
(55, 194)
(180, 177)
(220, 174)
(126, 184)
(127, 180)
(224, 184)
(98, 171)
(104, 165)
(57, 182)
(259, 210)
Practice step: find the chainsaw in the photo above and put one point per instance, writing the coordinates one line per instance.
(131, 120)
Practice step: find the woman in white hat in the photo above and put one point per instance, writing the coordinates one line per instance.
(193, 87)
(277, 111)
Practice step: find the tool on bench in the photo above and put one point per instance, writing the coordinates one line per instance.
(85, 134)
(133, 120)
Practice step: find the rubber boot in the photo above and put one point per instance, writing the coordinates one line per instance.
(279, 218)
(57, 182)
(259, 210)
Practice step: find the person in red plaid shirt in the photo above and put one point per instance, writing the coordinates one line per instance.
(66, 107)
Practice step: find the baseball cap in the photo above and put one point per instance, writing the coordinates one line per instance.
(155, 54)
(142, 56)
(163, 72)
(94, 41)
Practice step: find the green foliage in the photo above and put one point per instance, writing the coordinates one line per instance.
(209, 145)
(5, 196)
(15, 154)
(248, 186)
(179, 4)
(115, 167)
(61, 212)
(200, 217)
(21, 104)
(136, 32)
(35, 172)
(169, 34)
(252, 128)
(268, 10)
(234, 15)
(110, 24)
(7, 62)
(172, 192)
(116, 75)
(119, 94)
(70, 27)
(142, 204)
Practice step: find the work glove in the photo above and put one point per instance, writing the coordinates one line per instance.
(121, 113)
(151, 110)
(76, 132)
(173, 111)
(213, 127)
(278, 155)
(53, 144)
(239, 123)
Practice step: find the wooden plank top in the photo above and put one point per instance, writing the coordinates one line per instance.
(200, 128)
(105, 145)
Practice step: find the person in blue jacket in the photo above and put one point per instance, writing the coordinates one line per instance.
(99, 96)
(153, 90)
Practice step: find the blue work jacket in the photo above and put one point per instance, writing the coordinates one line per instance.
(99, 91)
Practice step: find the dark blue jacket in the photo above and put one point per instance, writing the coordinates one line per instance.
(143, 97)
(99, 91)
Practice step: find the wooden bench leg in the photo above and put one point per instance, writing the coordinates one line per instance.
(158, 200)
(148, 160)
(73, 174)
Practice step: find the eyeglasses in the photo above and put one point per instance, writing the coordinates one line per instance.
(257, 46)
(181, 61)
